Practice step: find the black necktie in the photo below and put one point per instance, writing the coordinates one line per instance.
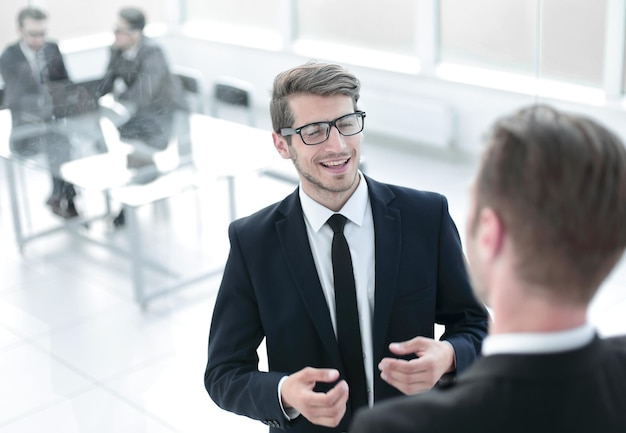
(348, 333)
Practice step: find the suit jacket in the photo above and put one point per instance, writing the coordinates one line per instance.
(578, 391)
(152, 92)
(30, 101)
(149, 84)
(270, 289)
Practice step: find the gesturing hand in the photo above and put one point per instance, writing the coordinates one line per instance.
(325, 409)
(417, 375)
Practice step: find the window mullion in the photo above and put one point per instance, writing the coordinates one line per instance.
(427, 34)
(614, 48)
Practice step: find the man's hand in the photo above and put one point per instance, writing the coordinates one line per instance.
(417, 375)
(325, 409)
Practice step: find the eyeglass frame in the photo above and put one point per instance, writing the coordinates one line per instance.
(32, 34)
(122, 31)
(286, 132)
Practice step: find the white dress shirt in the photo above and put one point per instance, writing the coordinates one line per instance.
(359, 232)
(538, 343)
(31, 56)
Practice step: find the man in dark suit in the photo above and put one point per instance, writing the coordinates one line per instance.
(139, 77)
(279, 284)
(546, 225)
(30, 68)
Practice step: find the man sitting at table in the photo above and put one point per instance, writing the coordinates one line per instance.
(139, 77)
(30, 68)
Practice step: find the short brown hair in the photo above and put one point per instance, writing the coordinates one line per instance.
(558, 181)
(135, 18)
(32, 13)
(314, 78)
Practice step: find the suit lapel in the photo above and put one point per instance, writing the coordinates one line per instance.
(387, 229)
(296, 249)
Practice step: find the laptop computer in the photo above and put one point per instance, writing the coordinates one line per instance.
(73, 99)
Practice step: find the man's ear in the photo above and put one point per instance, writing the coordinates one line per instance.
(280, 143)
(490, 234)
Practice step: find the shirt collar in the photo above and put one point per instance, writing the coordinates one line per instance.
(131, 53)
(354, 209)
(28, 51)
(548, 342)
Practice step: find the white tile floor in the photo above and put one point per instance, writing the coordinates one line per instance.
(78, 355)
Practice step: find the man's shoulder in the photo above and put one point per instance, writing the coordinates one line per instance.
(449, 409)
(411, 202)
(10, 51)
(617, 345)
(618, 341)
(149, 47)
(51, 44)
(267, 216)
(400, 192)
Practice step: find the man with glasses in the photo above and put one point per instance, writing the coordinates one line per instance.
(30, 68)
(139, 77)
(347, 312)
(547, 224)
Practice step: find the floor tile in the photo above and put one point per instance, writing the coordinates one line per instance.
(113, 343)
(32, 379)
(152, 388)
(8, 339)
(94, 411)
(54, 301)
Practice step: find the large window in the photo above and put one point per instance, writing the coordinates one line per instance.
(87, 17)
(354, 31)
(243, 22)
(360, 24)
(71, 19)
(570, 42)
(624, 68)
(554, 39)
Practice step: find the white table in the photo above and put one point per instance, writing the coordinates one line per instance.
(80, 129)
(220, 149)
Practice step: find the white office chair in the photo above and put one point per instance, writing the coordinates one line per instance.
(233, 98)
(192, 84)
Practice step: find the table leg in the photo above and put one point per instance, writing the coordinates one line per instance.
(15, 204)
(136, 255)
(231, 197)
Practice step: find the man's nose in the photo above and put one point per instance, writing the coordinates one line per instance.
(335, 139)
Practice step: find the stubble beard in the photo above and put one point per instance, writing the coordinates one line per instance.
(321, 187)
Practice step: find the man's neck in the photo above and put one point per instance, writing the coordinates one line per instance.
(534, 314)
(330, 199)
(131, 52)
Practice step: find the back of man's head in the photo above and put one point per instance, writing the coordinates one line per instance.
(558, 182)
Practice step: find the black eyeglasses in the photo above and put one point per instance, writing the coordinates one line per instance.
(120, 30)
(34, 34)
(318, 132)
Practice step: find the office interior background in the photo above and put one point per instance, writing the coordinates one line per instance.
(77, 353)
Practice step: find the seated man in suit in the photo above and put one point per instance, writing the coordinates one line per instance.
(30, 68)
(546, 226)
(139, 77)
(348, 315)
